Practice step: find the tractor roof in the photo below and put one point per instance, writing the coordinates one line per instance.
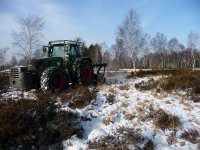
(65, 42)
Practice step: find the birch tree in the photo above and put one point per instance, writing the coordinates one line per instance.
(193, 43)
(27, 36)
(159, 43)
(3, 52)
(130, 33)
(173, 47)
(146, 49)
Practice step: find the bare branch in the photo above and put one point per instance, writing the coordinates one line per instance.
(28, 35)
(130, 33)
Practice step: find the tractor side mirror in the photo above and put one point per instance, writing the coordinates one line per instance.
(44, 49)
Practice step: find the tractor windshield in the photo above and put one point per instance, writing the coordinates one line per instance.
(58, 51)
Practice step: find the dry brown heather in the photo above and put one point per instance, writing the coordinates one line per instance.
(4, 82)
(37, 123)
(79, 97)
(120, 139)
(191, 135)
(166, 121)
(176, 79)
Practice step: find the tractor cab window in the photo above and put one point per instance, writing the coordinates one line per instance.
(74, 51)
(58, 51)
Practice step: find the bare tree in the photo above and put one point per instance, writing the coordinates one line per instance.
(97, 54)
(159, 43)
(38, 53)
(181, 55)
(107, 57)
(22, 62)
(118, 52)
(129, 32)
(146, 49)
(193, 43)
(3, 52)
(173, 47)
(13, 61)
(27, 37)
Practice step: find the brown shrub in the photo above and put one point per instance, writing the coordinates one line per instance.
(123, 104)
(4, 81)
(143, 86)
(128, 117)
(149, 145)
(35, 123)
(195, 99)
(125, 95)
(191, 135)
(81, 97)
(106, 121)
(112, 113)
(124, 87)
(111, 90)
(172, 138)
(122, 138)
(165, 121)
(178, 79)
(110, 98)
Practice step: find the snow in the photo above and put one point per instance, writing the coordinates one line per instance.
(137, 104)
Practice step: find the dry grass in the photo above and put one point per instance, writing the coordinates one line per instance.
(198, 144)
(4, 82)
(139, 109)
(36, 123)
(167, 102)
(106, 121)
(149, 145)
(111, 90)
(178, 79)
(125, 95)
(123, 104)
(165, 121)
(124, 87)
(69, 143)
(123, 138)
(79, 97)
(191, 136)
(110, 98)
(128, 117)
(146, 101)
(172, 138)
(143, 86)
(140, 103)
(112, 113)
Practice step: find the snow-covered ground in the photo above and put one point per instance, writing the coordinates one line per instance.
(137, 105)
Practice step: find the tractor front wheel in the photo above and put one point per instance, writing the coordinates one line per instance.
(53, 78)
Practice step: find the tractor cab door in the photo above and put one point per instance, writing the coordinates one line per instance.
(74, 54)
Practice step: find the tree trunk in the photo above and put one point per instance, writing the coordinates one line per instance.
(193, 65)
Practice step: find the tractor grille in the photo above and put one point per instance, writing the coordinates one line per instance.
(15, 71)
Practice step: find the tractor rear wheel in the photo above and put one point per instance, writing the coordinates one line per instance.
(53, 78)
(86, 73)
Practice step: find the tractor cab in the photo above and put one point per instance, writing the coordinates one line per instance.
(68, 50)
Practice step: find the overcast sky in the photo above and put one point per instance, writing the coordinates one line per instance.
(96, 21)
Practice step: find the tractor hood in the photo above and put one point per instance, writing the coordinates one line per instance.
(39, 65)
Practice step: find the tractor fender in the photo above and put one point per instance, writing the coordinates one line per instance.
(83, 59)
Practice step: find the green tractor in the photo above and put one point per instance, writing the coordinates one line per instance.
(63, 66)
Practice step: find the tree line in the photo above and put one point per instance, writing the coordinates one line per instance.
(132, 48)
